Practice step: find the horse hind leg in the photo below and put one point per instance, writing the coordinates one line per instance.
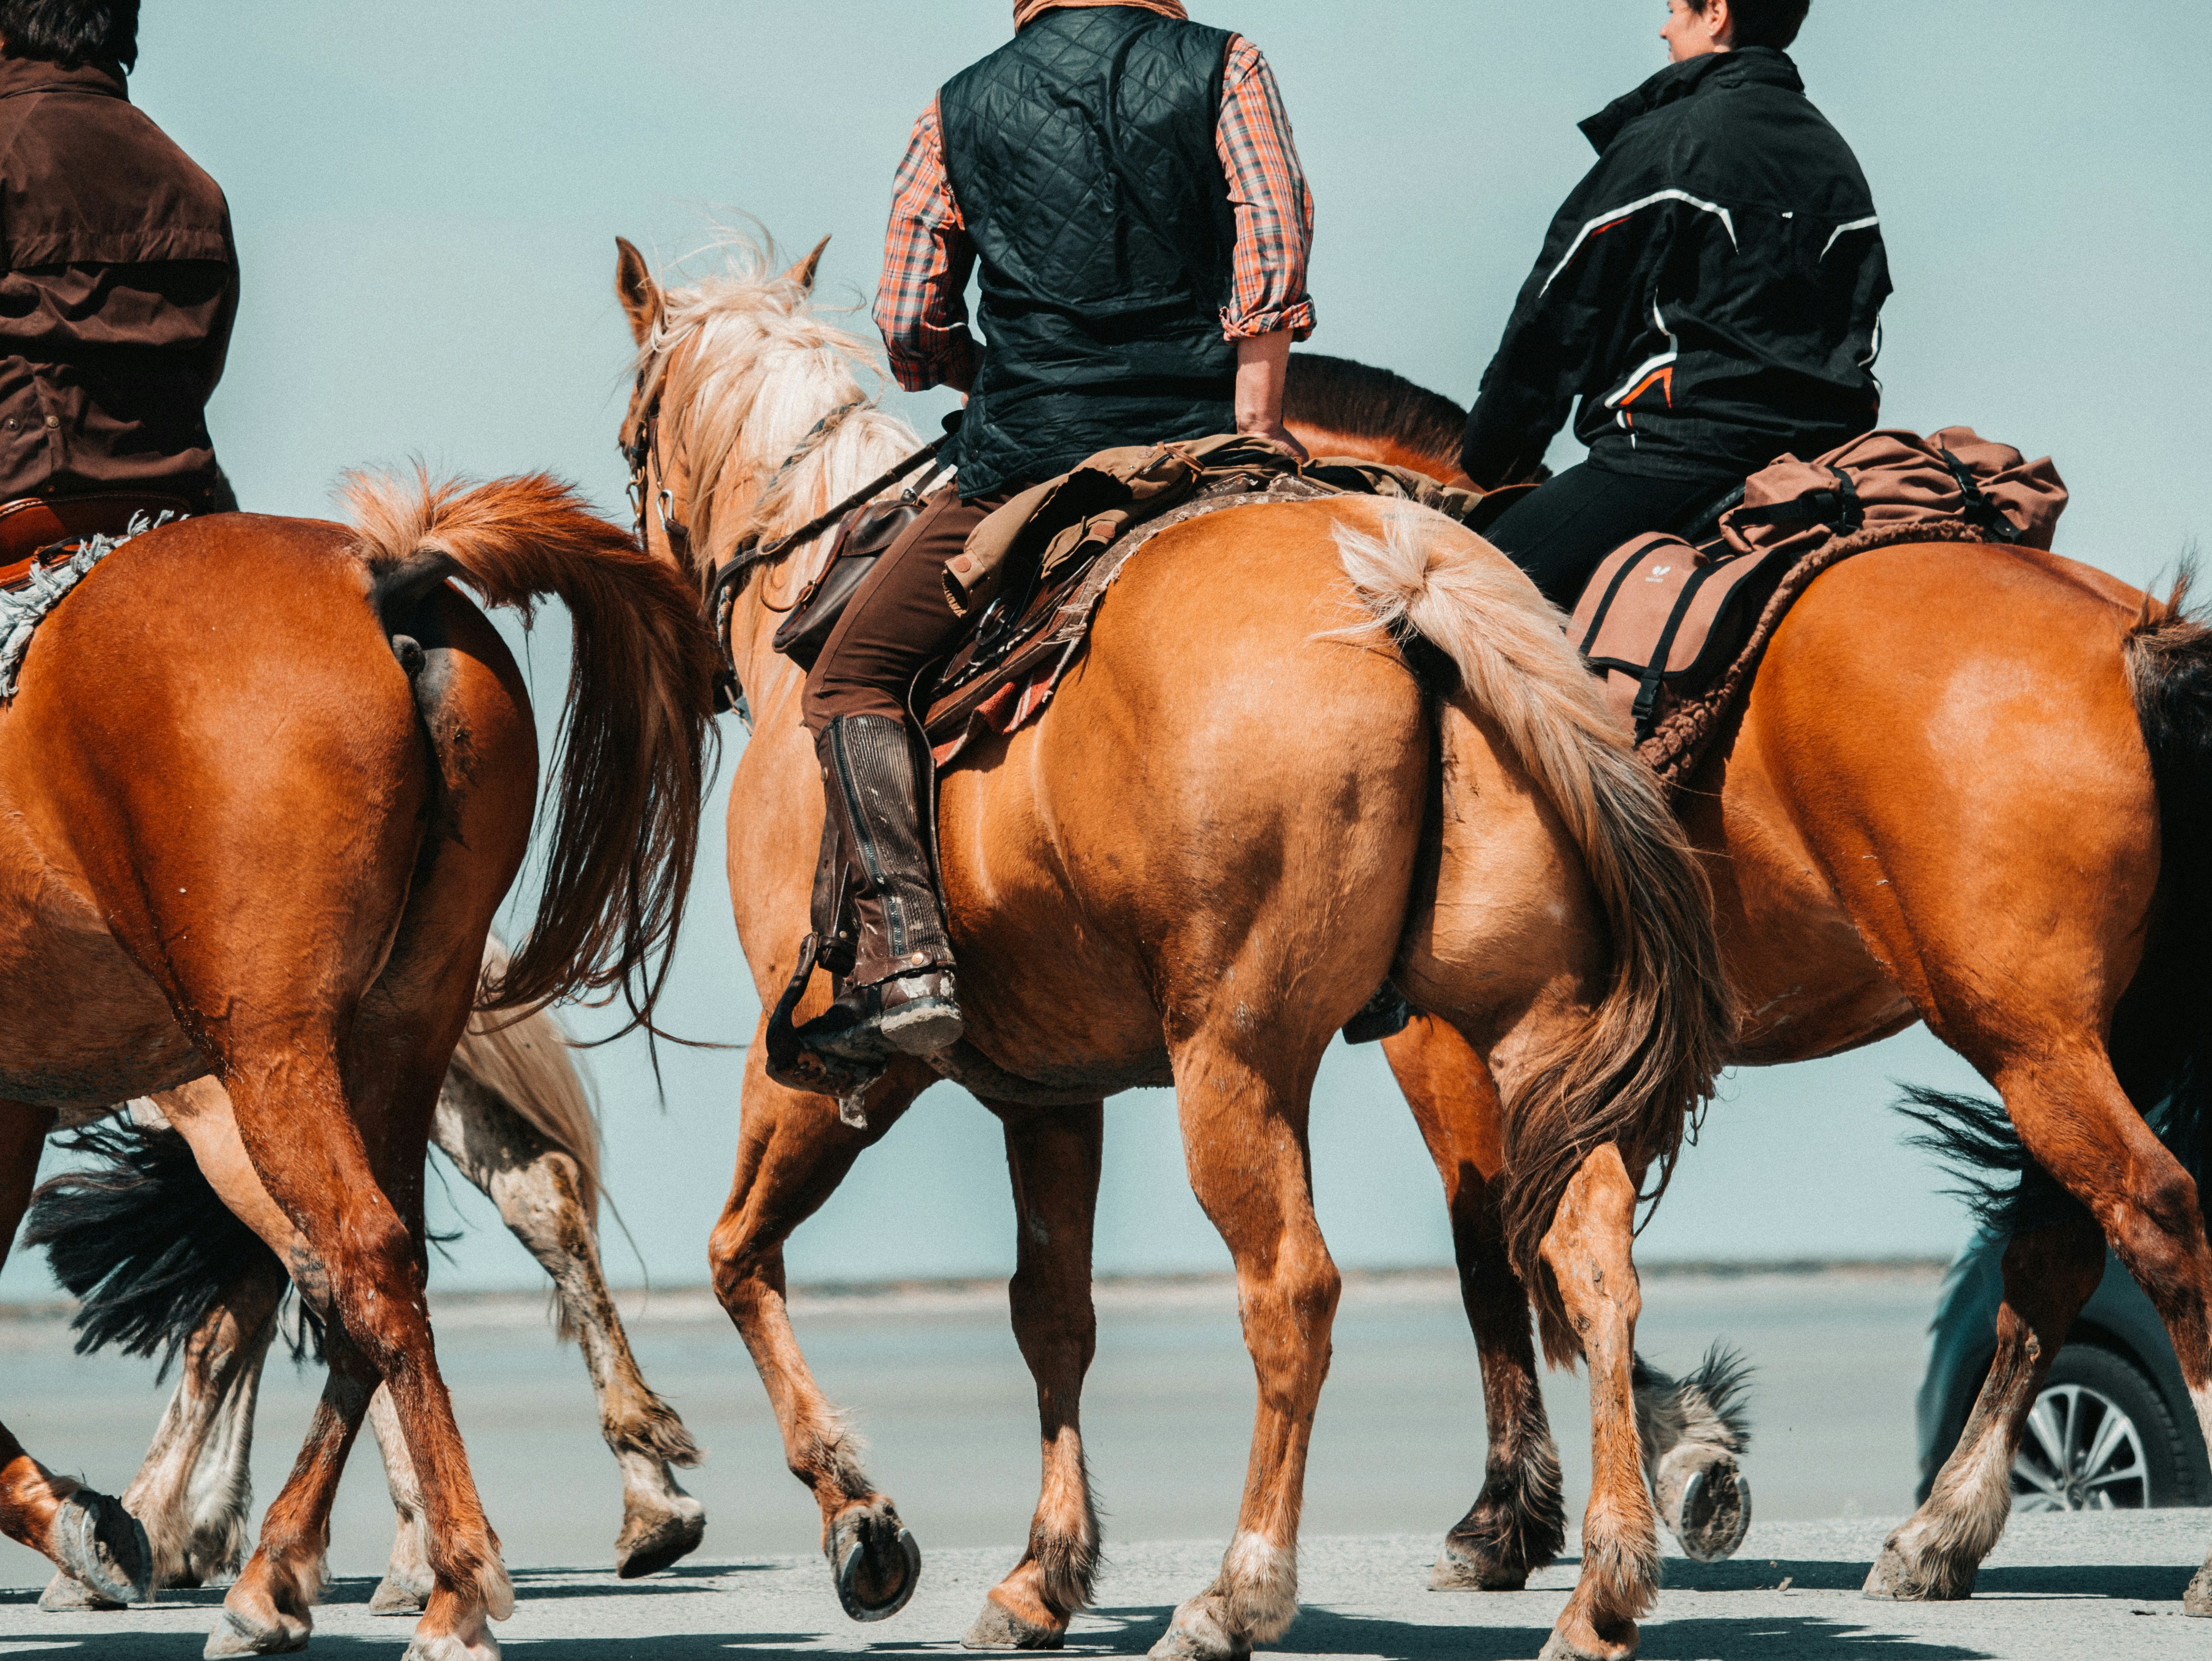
(1244, 1145)
(1053, 1155)
(536, 1188)
(1587, 1250)
(88, 1535)
(1517, 1523)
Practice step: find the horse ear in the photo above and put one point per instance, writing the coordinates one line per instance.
(802, 272)
(640, 294)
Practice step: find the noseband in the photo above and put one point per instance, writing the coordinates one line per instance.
(729, 575)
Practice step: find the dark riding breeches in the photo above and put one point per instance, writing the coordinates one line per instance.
(898, 622)
(1561, 532)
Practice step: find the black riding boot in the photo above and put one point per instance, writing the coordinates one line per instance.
(898, 993)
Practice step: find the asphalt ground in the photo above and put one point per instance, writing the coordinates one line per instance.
(933, 1377)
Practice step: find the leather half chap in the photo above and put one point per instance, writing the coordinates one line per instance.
(876, 910)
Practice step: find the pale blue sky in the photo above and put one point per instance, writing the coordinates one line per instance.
(426, 198)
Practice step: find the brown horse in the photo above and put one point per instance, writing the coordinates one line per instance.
(1969, 788)
(265, 783)
(1239, 812)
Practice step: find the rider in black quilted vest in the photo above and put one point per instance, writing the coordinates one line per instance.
(1122, 181)
(1712, 292)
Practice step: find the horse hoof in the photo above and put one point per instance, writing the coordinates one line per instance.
(450, 1647)
(651, 1541)
(397, 1594)
(234, 1634)
(1197, 1633)
(879, 1565)
(2197, 1600)
(1464, 1565)
(104, 1547)
(1559, 1647)
(1713, 1513)
(65, 1595)
(999, 1628)
(1896, 1578)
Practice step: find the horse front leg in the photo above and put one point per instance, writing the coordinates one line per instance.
(1518, 1522)
(537, 1187)
(793, 1151)
(1587, 1250)
(1052, 1157)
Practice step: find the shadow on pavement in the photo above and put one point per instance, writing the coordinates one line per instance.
(2135, 1581)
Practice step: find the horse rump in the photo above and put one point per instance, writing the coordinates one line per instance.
(142, 1241)
(2160, 1028)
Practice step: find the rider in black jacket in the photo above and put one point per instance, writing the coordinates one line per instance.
(1710, 292)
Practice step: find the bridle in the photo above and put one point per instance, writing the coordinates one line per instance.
(728, 575)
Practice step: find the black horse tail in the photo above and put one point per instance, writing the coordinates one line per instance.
(142, 1241)
(2161, 1029)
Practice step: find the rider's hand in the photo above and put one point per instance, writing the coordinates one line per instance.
(1281, 434)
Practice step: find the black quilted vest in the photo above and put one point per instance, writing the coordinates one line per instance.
(1082, 156)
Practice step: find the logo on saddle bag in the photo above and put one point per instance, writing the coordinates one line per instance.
(1671, 632)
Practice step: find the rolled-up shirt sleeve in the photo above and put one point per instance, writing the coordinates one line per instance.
(921, 303)
(1274, 209)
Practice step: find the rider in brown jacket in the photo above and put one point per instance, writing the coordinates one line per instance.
(119, 288)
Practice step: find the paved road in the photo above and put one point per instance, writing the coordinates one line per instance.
(936, 1381)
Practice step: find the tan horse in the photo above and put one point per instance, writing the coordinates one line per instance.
(1241, 810)
(265, 783)
(1969, 788)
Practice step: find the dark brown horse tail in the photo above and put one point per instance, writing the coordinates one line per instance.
(2161, 1040)
(631, 766)
(1641, 1065)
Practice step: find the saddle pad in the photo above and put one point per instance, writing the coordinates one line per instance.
(999, 688)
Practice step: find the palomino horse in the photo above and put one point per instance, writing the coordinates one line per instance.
(1241, 810)
(1969, 788)
(265, 781)
(516, 1120)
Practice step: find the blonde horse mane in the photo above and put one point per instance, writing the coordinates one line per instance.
(760, 370)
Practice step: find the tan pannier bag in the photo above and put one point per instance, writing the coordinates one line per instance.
(1662, 620)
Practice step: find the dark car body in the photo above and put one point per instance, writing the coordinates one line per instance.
(1962, 1340)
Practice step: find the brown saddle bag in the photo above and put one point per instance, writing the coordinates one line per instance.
(866, 534)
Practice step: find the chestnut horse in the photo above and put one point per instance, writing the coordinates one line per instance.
(265, 783)
(1241, 810)
(1969, 787)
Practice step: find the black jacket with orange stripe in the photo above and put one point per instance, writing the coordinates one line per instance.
(1711, 291)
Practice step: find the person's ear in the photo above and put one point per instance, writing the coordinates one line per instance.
(1720, 21)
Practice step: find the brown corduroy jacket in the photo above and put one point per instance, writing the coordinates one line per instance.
(119, 287)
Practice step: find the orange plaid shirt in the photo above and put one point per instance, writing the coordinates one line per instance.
(921, 304)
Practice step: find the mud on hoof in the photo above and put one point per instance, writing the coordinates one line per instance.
(1470, 1563)
(1926, 1578)
(235, 1635)
(1705, 1501)
(998, 1627)
(1200, 1632)
(104, 1546)
(654, 1537)
(401, 1594)
(876, 1560)
(67, 1595)
(2196, 1600)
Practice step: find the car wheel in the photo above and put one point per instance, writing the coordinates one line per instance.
(2098, 1438)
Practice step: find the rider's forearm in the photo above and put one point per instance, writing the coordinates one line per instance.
(1261, 363)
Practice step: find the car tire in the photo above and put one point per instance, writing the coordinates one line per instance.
(2099, 1438)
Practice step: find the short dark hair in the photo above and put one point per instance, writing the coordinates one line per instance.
(71, 32)
(1767, 23)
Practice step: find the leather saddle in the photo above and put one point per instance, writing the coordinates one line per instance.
(38, 531)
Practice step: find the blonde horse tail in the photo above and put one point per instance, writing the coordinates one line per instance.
(629, 784)
(529, 1065)
(1648, 1055)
